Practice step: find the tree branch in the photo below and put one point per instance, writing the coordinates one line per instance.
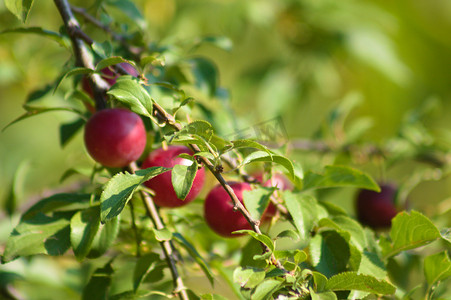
(82, 55)
(179, 287)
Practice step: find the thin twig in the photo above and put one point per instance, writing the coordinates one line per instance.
(238, 206)
(91, 19)
(179, 286)
(151, 209)
(135, 230)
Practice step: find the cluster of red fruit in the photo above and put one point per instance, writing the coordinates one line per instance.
(116, 137)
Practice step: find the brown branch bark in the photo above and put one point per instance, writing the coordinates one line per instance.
(82, 56)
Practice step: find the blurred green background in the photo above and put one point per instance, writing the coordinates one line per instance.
(298, 59)
(294, 59)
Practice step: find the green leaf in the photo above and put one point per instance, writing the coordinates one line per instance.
(266, 240)
(83, 228)
(60, 39)
(104, 238)
(102, 49)
(221, 42)
(111, 61)
(68, 130)
(262, 156)
(34, 111)
(323, 296)
(266, 289)
(19, 8)
(99, 283)
(304, 211)
(248, 278)
(194, 254)
(72, 72)
(143, 266)
(128, 91)
(182, 178)
(204, 154)
(437, 267)
(199, 127)
(119, 189)
(16, 188)
(38, 234)
(128, 8)
(353, 281)
(410, 231)
(39, 93)
(288, 234)
(371, 264)
(345, 223)
(319, 281)
(250, 144)
(298, 255)
(162, 234)
(58, 202)
(339, 176)
(256, 201)
(205, 75)
(329, 252)
(212, 297)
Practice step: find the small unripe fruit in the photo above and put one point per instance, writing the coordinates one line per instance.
(219, 213)
(162, 184)
(377, 209)
(115, 137)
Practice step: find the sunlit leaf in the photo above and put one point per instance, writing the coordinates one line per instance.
(437, 267)
(128, 91)
(38, 234)
(119, 189)
(304, 212)
(339, 176)
(20, 8)
(69, 130)
(111, 61)
(83, 228)
(143, 266)
(266, 289)
(104, 238)
(34, 111)
(99, 283)
(197, 257)
(61, 40)
(182, 178)
(248, 278)
(353, 281)
(256, 201)
(409, 231)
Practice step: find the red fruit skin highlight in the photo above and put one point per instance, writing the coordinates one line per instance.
(219, 213)
(115, 137)
(162, 184)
